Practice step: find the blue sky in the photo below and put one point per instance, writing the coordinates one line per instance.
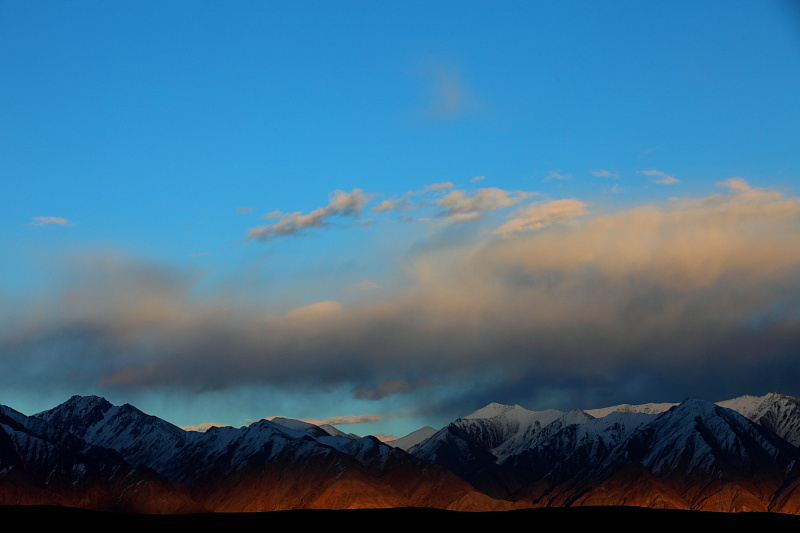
(220, 212)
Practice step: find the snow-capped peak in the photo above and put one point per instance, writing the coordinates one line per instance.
(645, 408)
(775, 411)
(413, 438)
(495, 409)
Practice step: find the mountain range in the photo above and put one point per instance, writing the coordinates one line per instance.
(738, 455)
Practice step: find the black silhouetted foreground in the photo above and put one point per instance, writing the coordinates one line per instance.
(399, 518)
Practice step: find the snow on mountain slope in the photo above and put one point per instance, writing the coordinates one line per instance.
(460, 447)
(536, 433)
(189, 456)
(699, 437)
(511, 448)
(42, 465)
(140, 438)
(321, 430)
(179, 455)
(336, 432)
(513, 418)
(412, 439)
(468, 445)
(372, 453)
(695, 455)
(299, 425)
(748, 405)
(562, 451)
(268, 465)
(221, 451)
(775, 411)
(492, 433)
(646, 408)
(697, 451)
(778, 412)
(147, 440)
(496, 424)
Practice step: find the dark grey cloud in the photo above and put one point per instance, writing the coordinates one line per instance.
(388, 387)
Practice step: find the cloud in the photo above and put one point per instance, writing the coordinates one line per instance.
(341, 204)
(389, 387)
(476, 179)
(344, 420)
(315, 311)
(557, 175)
(438, 186)
(662, 178)
(43, 221)
(536, 217)
(616, 305)
(401, 203)
(736, 185)
(365, 285)
(405, 202)
(462, 207)
(605, 174)
(648, 152)
(205, 426)
(386, 205)
(449, 97)
(243, 210)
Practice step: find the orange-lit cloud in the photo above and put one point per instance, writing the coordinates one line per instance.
(538, 216)
(461, 207)
(205, 426)
(344, 420)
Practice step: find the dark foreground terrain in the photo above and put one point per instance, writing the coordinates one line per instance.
(398, 518)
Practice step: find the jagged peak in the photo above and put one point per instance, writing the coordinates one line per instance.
(780, 397)
(695, 404)
(494, 409)
(750, 405)
(303, 426)
(489, 411)
(80, 404)
(576, 416)
(91, 399)
(645, 408)
(695, 407)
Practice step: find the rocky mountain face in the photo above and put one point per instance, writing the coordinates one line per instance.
(268, 465)
(774, 411)
(737, 455)
(412, 439)
(41, 465)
